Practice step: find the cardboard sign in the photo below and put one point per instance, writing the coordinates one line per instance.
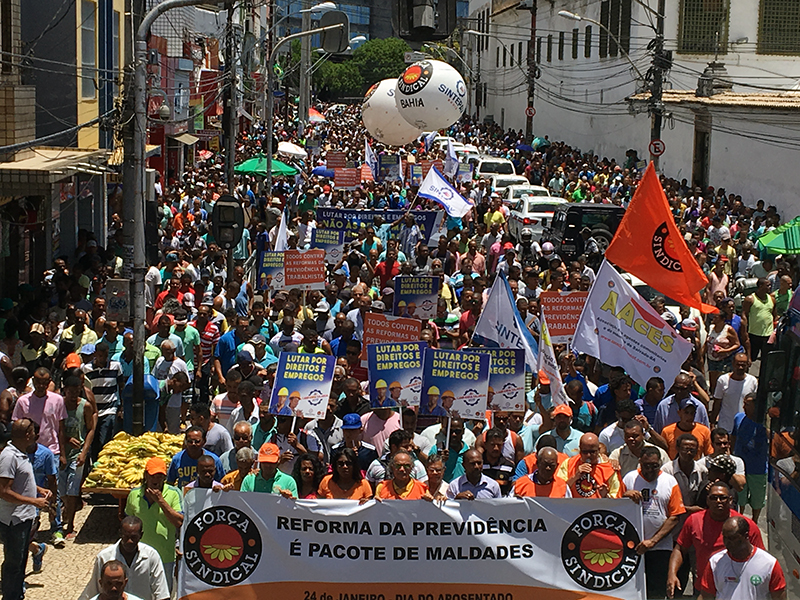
(304, 269)
(347, 179)
(302, 385)
(454, 384)
(330, 240)
(335, 160)
(380, 329)
(416, 297)
(563, 309)
(395, 374)
(270, 271)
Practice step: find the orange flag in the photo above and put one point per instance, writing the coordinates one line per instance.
(649, 245)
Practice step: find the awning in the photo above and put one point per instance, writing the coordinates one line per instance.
(186, 138)
(243, 113)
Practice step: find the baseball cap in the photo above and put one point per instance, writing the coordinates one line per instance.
(378, 305)
(84, 282)
(6, 304)
(339, 272)
(322, 307)
(543, 378)
(351, 421)
(91, 244)
(180, 321)
(172, 257)
(155, 466)
(386, 291)
(244, 356)
(72, 361)
(689, 325)
(562, 409)
(88, 349)
(508, 246)
(269, 453)
(37, 328)
(722, 462)
(258, 339)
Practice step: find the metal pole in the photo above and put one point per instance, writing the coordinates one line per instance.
(532, 66)
(137, 172)
(271, 97)
(231, 118)
(656, 92)
(305, 77)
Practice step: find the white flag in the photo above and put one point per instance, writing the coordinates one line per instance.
(500, 324)
(436, 188)
(429, 140)
(621, 329)
(371, 159)
(451, 162)
(282, 237)
(548, 364)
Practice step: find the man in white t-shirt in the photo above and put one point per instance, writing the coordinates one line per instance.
(741, 571)
(730, 392)
(660, 497)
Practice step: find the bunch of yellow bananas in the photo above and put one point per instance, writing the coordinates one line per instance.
(122, 460)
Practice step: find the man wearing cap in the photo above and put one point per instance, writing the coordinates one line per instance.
(261, 352)
(37, 347)
(269, 479)
(352, 433)
(160, 508)
(567, 437)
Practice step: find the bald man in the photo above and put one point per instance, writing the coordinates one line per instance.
(588, 475)
(543, 482)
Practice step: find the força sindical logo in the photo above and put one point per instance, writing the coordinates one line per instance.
(415, 77)
(222, 546)
(659, 245)
(598, 550)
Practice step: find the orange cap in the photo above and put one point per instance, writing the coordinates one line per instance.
(155, 466)
(543, 379)
(72, 361)
(562, 409)
(269, 453)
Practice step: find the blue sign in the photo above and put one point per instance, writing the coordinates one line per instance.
(302, 385)
(454, 384)
(506, 379)
(395, 374)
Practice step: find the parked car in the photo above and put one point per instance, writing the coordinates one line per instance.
(569, 219)
(512, 193)
(491, 165)
(499, 183)
(533, 212)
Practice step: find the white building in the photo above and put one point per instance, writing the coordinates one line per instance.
(745, 137)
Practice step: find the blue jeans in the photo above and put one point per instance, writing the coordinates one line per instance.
(15, 540)
(106, 427)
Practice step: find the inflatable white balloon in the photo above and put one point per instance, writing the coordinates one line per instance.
(381, 118)
(431, 95)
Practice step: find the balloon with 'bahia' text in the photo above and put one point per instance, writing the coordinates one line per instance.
(431, 95)
(382, 118)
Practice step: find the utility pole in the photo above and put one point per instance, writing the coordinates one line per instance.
(532, 72)
(230, 115)
(660, 64)
(132, 220)
(305, 65)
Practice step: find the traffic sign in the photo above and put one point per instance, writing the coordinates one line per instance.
(657, 147)
(530, 111)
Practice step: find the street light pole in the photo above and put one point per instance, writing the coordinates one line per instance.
(230, 116)
(305, 78)
(138, 161)
(271, 97)
(657, 90)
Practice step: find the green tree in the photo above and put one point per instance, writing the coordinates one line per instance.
(380, 59)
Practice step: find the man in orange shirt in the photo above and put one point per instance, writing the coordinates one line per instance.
(542, 483)
(402, 486)
(528, 464)
(686, 424)
(586, 476)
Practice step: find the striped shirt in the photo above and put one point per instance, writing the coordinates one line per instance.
(105, 386)
(209, 338)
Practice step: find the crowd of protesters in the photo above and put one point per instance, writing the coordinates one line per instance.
(690, 451)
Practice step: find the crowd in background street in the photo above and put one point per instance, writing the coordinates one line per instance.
(691, 451)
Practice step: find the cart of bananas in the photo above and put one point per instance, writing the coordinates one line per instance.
(122, 460)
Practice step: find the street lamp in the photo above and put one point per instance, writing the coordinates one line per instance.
(305, 61)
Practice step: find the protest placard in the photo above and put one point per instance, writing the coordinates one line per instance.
(563, 309)
(380, 328)
(350, 220)
(389, 169)
(335, 160)
(395, 374)
(330, 240)
(454, 384)
(415, 174)
(506, 379)
(270, 271)
(304, 269)
(302, 385)
(347, 178)
(416, 296)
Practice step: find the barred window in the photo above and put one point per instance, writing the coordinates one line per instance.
(587, 42)
(575, 43)
(604, 22)
(550, 48)
(560, 45)
(703, 27)
(779, 27)
(538, 50)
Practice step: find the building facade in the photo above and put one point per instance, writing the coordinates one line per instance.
(736, 125)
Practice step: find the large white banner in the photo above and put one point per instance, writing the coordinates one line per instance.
(621, 329)
(243, 546)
